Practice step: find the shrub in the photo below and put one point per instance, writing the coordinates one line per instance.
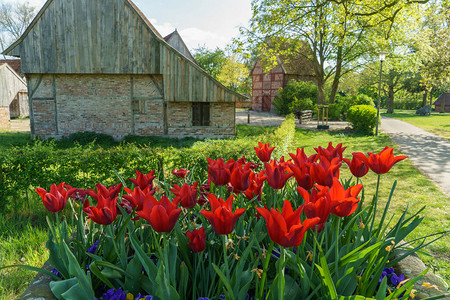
(335, 111)
(87, 137)
(363, 118)
(301, 104)
(293, 90)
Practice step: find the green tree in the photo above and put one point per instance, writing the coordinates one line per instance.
(340, 34)
(212, 61)
(234, 75)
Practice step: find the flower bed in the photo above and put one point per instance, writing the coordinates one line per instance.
(272, 228)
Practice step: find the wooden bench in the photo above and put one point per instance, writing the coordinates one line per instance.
(303, 115)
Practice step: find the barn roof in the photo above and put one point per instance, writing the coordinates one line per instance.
(441, 98)
(175, 40)
(111, 37)
(13, 63)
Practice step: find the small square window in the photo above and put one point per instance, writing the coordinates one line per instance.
(200, 114)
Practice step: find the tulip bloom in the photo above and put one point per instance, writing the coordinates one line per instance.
(286, 229)
(239, 179)
(256, 184)
(136, 197)
(182, 173)
(317, 204)
(56, 199)
(144, 181)
(221, 216)
(197, 239)
(357, 166)
(302, 175)
(185, 194)
(264, 152)
(105, 212)
(110, 192)
(162, 215)
(324, 171)
(381, 163)
(344, 202)
(276, 174)
(301, 158)
(331, 152)
(218, 172)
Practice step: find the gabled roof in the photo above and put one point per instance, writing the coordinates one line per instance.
(174, 39)
(11, 84)
(441, 98)
(13, 63)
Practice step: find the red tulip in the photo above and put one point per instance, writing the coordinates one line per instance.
(381, 163)
(144, 181)
(301, 158)
(162, 215)
(239, 179)
(344, 202)
(197, 239)
(182, 173)
(256, 184)
(286, 229)
(218, 172)
(136, 197)
(56, 199)
(324, 171)
(105, 212)
(357, 166)
(221, 216)
(248, 165)
(317, 204)
(111, 192)
(331, 152)
(264, 152)
(302, 175)
(185, 194)
(277, 174)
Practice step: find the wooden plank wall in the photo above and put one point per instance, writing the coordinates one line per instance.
(109, 37)
(10, 85)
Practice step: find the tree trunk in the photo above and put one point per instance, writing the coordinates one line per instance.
(320, 92)
(337, 75)
(431, 96)
(390, 106)
(424, 101)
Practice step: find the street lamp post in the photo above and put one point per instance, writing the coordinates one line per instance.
(382, 58)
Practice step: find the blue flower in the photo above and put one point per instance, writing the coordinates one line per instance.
(139, 297)
(397, 279)
(111, 294)
(56, 272)
(93, 248)
(203, 298)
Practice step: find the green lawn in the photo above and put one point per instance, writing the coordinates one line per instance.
(437, 123)
(23, 232)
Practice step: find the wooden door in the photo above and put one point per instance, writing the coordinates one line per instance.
(266, 103)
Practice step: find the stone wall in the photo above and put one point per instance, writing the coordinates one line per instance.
(117, 105)
(4, 118)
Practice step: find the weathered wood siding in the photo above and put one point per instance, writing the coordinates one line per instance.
(10, 85)
(110, 37)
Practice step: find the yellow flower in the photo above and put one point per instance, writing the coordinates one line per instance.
(258, 272)
(412, 295)
(130, 296)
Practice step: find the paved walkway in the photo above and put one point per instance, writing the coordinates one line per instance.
(429, 153)
(270, 119)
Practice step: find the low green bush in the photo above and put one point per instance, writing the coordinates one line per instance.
(294, 91)
(87, 137)
(363, 118)
(301, 104)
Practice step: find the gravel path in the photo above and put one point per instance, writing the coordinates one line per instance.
(429, 153)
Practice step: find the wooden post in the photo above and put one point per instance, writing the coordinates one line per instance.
(248, 116)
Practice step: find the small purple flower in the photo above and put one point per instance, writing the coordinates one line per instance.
(222, 297)
(139, 297)
(56, 272)
(397, 279)
(111, 294)
(93, 248)
(203, 298)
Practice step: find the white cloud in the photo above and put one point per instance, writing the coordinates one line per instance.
(195, 37)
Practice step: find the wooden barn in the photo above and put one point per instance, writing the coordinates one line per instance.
(174, 39)
(265, 85)
(443, 98)
(101, 66)
(13, 95)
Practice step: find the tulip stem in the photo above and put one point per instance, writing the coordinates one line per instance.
(225, 256)
(264, 274)
(374, 202)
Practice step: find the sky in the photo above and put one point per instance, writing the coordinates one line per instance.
(210, 23)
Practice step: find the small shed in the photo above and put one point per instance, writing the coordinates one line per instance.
(13, 95)
(101, 66)
(265, 85)
(443, 98)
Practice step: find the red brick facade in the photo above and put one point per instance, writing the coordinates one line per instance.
(117, 105)
(265, 86)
